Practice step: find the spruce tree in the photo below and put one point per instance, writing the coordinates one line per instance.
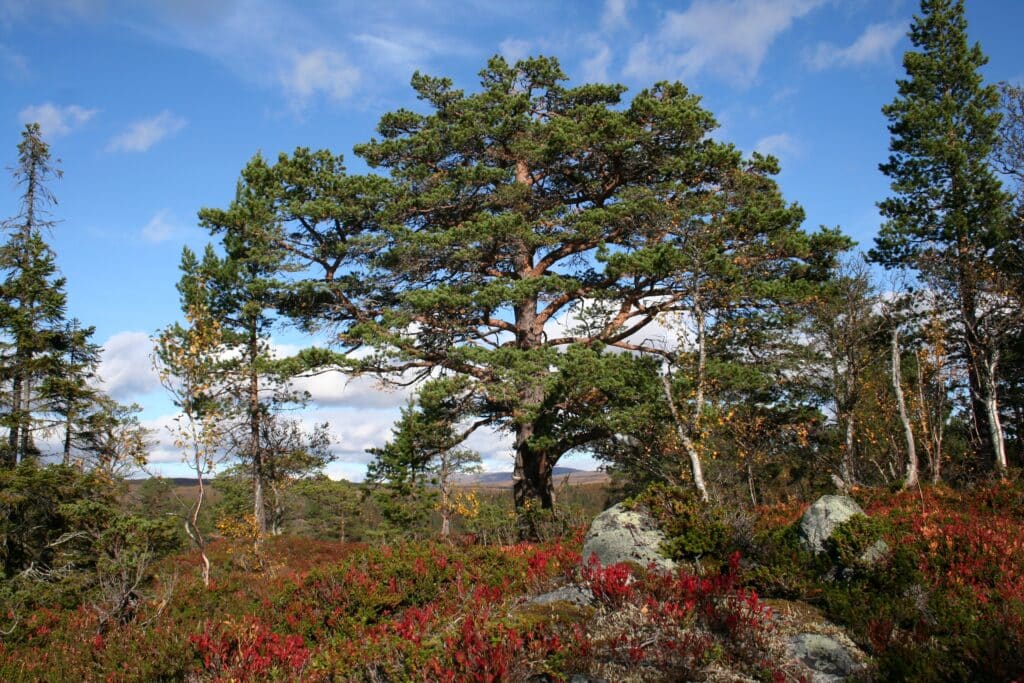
(72, 390)
(32, 300)
(947, 218)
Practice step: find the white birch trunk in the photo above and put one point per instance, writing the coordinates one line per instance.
(911, 478)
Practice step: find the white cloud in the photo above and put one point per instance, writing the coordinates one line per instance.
(615, 14)
(125, 366)
(13, 65)
(56, 121)
(160, 228)
(337, 389)
(319, 72)
(728, 38)
(875, 45)
(163, 450)
(142, 135)
(495, 448)
(401, 50)
(513, 49)
(595, 67)
(780, 145)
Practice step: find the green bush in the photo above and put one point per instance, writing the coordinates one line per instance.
(779, 566)
(853, 539)
(695, 529)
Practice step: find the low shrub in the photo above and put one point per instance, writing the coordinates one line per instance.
(695, 529)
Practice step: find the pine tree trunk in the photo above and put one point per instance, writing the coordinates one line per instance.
(532, 473)
(256, 451)
(532, 489)
(67, 438)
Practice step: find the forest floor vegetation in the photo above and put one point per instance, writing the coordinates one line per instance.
(946, 604)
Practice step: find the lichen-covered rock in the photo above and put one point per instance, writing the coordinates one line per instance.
(822, 518)
(828, 660)
(621, 535)
(573, 595)
(809, 646)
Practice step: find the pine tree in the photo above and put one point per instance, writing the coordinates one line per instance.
(947, 216)
(510, 211)
(245, 288)
(415, 471)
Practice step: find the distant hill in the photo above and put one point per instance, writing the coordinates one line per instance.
(489, 480)
(500, 480)
(173, 481)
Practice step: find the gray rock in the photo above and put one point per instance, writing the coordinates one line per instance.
(878, 551)
(580, 678)
(828, 660)
(822, 518)
(571, 594)
(621, 535)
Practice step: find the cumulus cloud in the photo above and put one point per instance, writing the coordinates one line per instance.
(125, 366)
(875, 45)
(495, 448)
(140, 136)
(265, 42)
(337, 389)
(162, 449)
(56, 121)
(728, 38)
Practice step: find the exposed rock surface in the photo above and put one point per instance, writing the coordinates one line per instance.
(621, 535)
(821, 520)
(817, 650)
(574, 595)
(828, 660)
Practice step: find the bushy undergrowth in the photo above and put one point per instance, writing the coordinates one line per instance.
(412, 612)
(947, 603)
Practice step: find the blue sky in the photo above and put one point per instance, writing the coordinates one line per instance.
(154, 106)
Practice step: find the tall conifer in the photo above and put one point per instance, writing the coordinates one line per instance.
(947, 216)
(32, 299)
